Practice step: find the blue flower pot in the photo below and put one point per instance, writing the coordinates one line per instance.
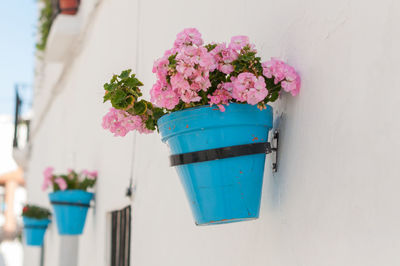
(225, 190)
(34, 230)
(70, 208)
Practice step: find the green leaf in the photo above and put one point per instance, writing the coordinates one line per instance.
(158, 113)
(140, 107)
(125, 74)
(211, 47)
(273, 96)
(118, 99)
(113, 79)
(133, 82)
(171, 59)
(129, 100)
(107, 96)
(150, 124)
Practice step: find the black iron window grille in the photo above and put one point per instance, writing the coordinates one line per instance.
(21, 125)
(121, 237)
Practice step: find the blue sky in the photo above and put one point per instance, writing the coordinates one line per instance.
(17, 49)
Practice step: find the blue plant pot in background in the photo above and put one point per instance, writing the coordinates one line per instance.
(34, 230)
(70, 208)
(225, 190)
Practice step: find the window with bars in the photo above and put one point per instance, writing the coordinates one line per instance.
(121, 237)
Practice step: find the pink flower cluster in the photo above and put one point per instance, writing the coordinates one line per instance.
(72, 177)
(48, 174)
(90, 174)
(224, 56)
(249, 88)
(120, 122)
(282, 72)
(189, 36)
(189, 74)
(48, 179)
(184, 71)
(221, 96)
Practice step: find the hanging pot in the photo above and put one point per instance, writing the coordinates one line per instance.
(219, 157)
(34, 230)
(68, 7)
(70, 208)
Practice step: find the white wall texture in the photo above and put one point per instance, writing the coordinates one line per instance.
(335, 199)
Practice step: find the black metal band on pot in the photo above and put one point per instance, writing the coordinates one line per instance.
(78, 204)
(220, 153)
(35, 226)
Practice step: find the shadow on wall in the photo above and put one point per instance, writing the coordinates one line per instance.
(276, 181)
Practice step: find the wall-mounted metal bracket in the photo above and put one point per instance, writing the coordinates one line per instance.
(274, 148)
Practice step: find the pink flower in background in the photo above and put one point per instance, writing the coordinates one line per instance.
(282, 72)
(61, 183)
(89, 175)
(70, 174)
(48, 174)
(46, 183)
(238, 42)
(248, 88)
(92, 175)
(189, 36)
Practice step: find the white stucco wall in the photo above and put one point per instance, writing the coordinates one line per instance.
(335, 198)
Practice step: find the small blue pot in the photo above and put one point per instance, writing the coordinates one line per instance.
(225, 190)
(34, 230)
(70, 208)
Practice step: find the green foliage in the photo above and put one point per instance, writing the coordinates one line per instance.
(86, 183)
(140, 107)
(45, 21)
(210, 46)
(247, 61)
(123, 92)
(34, 211)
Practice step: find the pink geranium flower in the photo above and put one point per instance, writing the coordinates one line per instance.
(282, 72)
(189, 36)
(220, 97)
(248, 88)
(89, 175)
(191, 74)
(120, 122)
(48, 174)
(238, 42)
(164, 96)
(61, 183)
